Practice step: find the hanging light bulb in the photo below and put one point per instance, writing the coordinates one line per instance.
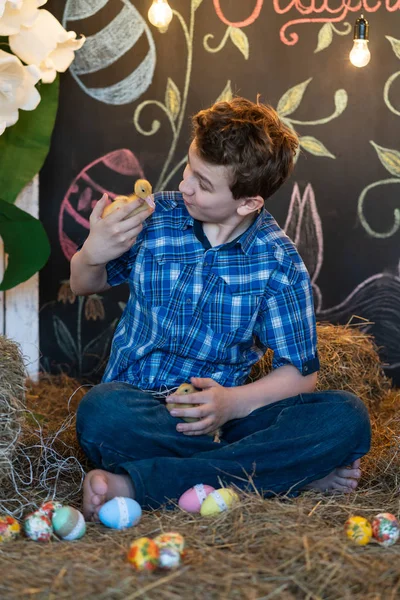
(160, 15)
(360, 54)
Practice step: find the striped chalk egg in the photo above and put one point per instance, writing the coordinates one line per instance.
(194, 497)
(120, 513)
(218, 501)
(68, 523)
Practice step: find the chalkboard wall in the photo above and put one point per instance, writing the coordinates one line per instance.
(125, 111)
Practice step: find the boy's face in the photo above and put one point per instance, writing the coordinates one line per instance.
(205, 190)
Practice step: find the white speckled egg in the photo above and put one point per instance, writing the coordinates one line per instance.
(169, 558)
(120, 513)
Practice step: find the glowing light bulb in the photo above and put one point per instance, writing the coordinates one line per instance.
(360, 54)
(160, 15)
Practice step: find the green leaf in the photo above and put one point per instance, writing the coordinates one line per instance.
(226, 94)
(389, 158)
(172, 99)
(314, 146)
(395, 45)
(25, 242)
(324, 37)
(292, 98)
(239, 38)
(65, 339)
(25, 145)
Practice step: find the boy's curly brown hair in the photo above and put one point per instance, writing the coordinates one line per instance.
(251, 140)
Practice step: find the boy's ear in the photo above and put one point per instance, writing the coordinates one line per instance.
(250, 205)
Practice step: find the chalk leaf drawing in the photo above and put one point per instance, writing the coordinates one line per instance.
(226, 94)
(325, 35)
(172, 99)
(396, 49)
(239, 38)
(376, 299)
(103, 49)
(103, 175)
(292, 99)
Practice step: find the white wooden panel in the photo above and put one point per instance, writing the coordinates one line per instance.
(21, 304)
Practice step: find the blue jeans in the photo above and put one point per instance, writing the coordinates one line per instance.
(282, 446)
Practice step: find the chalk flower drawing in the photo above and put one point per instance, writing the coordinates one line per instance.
(47, 45)
(17, 89)
(376, 299)
(389, 158)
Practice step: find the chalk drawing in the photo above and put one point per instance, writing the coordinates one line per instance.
(104, 48)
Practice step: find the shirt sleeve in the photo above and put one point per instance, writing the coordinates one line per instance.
(288, 327)
(118, 270)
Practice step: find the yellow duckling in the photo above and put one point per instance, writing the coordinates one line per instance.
(142, 189)
(188, 388)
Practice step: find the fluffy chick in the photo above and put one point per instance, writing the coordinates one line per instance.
(142, 190)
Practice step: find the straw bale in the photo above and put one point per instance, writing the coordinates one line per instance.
(349, 361)
(12, 401)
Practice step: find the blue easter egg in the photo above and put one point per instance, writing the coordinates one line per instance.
(120, 513)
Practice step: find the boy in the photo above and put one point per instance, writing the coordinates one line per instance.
(213, 282)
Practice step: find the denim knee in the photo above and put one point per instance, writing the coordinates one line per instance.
(354, 411)
(92, 410)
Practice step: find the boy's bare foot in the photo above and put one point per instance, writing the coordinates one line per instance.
(342, 479)
(99, 487)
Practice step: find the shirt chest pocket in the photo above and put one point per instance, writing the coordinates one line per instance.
(159, 280)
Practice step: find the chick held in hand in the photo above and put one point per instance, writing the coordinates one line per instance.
(143, 190)
(183, 390)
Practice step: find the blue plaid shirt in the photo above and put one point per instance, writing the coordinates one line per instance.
(197, 310)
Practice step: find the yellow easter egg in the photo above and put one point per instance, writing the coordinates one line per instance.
(358, 530)
(9, 528)
(218, 501)
(143, 554)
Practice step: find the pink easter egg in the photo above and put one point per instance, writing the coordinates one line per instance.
(194, 497)
(113, 174)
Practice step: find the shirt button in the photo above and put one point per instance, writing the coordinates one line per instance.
(188, 300)
(206, 264)
(305, 369)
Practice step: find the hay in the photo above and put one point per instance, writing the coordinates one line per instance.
(12, 392)
(279, 548)
(349, 361)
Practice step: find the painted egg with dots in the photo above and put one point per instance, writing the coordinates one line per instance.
(120, 513)
(10, 529)
(143, 554)
(68, 523)
(193, 498)
(385, 529)
(123, 39)
(218, 501)
(49, 507)
(169, 558)
(113, 174)
(38, 527)
(358, 530)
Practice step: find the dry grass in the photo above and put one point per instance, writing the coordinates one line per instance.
(278, 548)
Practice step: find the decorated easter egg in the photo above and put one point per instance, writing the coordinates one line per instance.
(113, 174)
(169, 558)
(170, 540)
(48, 508)
(120, 513)
(358, 530)
(385, 529)
(143, 554)
(37, 527)
(105, 49)
(194, 497)
(9, 528)
(68, 523)
(218, 501)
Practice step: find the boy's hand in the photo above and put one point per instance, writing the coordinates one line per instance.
(111, 237)
(216, 407)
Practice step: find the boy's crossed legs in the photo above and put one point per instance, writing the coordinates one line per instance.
(297, 443)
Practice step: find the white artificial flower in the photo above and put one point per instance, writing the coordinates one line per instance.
(17, 88)
(15, 14)
(47, 45)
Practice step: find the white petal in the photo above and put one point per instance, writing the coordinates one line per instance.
(62, 58)
(32, 100)
(2, 126)
(18, 14)
(10, 117)
(2, 7)
(48, 75)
